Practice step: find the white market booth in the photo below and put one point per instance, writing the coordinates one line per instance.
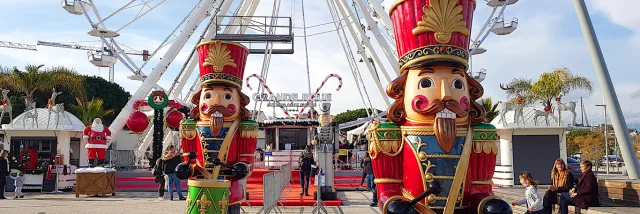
(36, 141)
(528, 146)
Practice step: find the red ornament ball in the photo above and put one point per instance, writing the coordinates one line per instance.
(173, 118)
(138, 121)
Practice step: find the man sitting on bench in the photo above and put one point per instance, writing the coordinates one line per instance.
(585, 194)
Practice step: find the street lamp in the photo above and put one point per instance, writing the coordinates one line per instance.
(606, 142)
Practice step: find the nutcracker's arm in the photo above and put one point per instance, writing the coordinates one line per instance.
(385, 149)
(246, 148)
(478, 190)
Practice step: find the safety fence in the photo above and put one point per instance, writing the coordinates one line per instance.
(121, 160)
(274, 186)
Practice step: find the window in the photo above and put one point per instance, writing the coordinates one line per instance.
(296, 137)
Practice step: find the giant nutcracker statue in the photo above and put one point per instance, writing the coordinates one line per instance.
(218, 139)
(435, 156)
(96, 136)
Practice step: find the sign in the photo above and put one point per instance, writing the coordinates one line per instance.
(343, 152)
(267, 154)
(291, 99)
(158, 100)
(287, 146)
(49, 185)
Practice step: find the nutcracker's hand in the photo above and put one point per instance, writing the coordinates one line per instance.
(185, 170)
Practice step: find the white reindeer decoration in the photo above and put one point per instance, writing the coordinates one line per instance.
(5, 105)
(55, 108)
(517, 108)
(545, 114)
(33, 115)
(570, 106)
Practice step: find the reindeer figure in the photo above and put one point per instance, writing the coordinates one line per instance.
(517, 108)
(547, 111)
(28, 105)
(570, 106)
(5, 105)
(33, 115)
(55, 108)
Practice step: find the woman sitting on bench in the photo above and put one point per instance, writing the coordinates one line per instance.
(585, 194)
(562, 181)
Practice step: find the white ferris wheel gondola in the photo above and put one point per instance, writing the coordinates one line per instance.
(103, 58)
(74, 6)
(503, 28)
(498, 3)
(99, 32)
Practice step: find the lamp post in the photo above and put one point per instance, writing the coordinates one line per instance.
(606, 141)
(609, 93)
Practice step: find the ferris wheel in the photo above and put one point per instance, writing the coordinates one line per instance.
(365, 22)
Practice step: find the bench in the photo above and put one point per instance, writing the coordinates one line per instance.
(576, 210)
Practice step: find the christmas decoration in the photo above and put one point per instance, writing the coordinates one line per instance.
(173, 118)
(97, 137)
(158, 99)
(138, 122)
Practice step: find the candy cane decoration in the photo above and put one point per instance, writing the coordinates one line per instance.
(318, 89)
(268, 90)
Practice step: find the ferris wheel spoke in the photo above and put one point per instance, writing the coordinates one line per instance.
(117, 11)
(140, 16)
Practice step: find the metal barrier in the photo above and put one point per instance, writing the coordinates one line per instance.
(272, 186)
(121, 160)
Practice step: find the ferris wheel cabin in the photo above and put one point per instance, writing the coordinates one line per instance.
(102, 58)
(498, 3)
(503, 28)
(75, 6)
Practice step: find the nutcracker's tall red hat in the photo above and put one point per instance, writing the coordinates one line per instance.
(432, 32)
(222, 63)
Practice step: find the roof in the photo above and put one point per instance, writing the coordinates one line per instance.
(529, 119)
(45, 121)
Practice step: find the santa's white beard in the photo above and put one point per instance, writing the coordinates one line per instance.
(97, 127)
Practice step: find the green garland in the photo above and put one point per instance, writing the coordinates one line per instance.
(13, 164)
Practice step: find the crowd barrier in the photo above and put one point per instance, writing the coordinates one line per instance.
(274, 185)
(121, 160)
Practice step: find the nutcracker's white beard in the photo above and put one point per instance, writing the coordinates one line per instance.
(97, 127)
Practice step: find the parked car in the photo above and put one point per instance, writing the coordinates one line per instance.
(573, 166)
(613, 160)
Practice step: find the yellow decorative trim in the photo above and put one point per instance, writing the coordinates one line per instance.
(203, 203)
(224, 148)
(482, 182)
(485, 146)
(461, 175)
(387, 181)
(188, 134)
(220, 80)
(223, 204)
(443, 17)
(394, 5)
(205, 123)
(246, 155)
(249, 134)
(389, 147)
(443, 156)
(209, 183)
(212, 138)
(461, 60)
(484, 201)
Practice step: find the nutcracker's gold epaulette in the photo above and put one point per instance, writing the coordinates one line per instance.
(249, 129)
(385, 138)
(485, 139)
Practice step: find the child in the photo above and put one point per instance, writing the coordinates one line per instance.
(19, 183)
(531, 196)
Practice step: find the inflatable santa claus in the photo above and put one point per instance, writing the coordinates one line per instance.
(97, 136)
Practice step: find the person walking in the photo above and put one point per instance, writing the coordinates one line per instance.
(4, 171)
(305, 162)
(19, 182)
(368, 168)
(531, 196)
(158, 172)
(170, 162)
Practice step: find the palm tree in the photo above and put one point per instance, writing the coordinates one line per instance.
(33, 79)
(490, 108)
(549, 86)
(88, 111)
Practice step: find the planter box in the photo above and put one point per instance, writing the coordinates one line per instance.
(99, 183)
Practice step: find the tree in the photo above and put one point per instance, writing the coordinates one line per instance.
(33, 79)
(351, 115)
(490, 108)
(592, 146)
(87, 111)
(549, 86)
(573, 146)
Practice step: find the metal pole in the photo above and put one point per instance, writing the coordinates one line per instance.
(610, 97)
(606, 139)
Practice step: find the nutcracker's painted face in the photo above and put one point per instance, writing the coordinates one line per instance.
(441, 95)
(218, 104)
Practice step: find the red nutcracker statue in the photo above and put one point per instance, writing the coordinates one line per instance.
(436, 156)
(219, 134)
(96, 136)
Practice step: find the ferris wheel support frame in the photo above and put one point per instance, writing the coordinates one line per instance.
(383, 16)
(204, 7)
(361, 50)
(384, 45)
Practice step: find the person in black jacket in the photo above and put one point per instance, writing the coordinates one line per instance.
(562, 181)
(305, 162)
(4, 171)
(169, 163)
(159, 174)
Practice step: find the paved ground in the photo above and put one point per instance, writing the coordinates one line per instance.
(147, 202)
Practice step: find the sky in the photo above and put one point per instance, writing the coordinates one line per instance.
(548, 37)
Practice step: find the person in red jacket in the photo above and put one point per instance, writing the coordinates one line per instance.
(97, 136)
(585, 194)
